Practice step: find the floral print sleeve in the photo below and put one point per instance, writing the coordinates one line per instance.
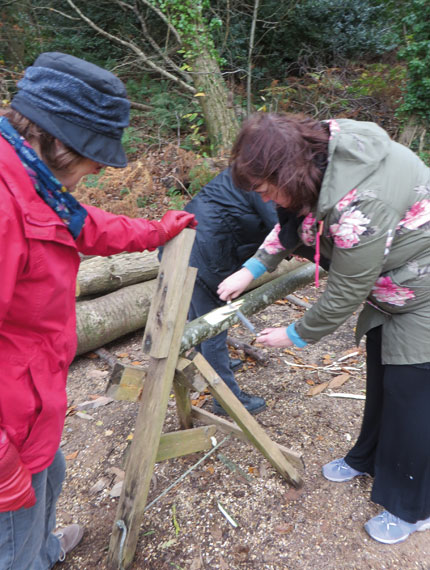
(272, 244)
(358, 230)
(271, 252)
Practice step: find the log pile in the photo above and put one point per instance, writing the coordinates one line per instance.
(114, 294)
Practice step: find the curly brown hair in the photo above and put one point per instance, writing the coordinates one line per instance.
(288, 152)
(56, 156)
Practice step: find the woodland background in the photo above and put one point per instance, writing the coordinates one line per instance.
(195, 68)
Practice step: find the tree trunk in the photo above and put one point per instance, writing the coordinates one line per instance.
(216, 101)
(101, 275)
(109, 317)
(200, 329)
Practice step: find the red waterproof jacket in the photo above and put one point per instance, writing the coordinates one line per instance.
(39, 262)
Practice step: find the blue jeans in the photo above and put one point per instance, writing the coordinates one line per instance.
(214, 349)
(26, 539)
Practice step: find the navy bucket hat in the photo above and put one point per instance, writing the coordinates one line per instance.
(79, 103)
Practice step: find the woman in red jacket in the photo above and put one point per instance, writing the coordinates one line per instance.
(65, 122)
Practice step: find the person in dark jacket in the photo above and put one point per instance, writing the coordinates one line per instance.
(65, 122)
(232, 224)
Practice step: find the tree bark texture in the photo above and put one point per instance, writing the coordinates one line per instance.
(199, 329)
(100, 275)
(107, 318)
(216, 103)
(104, 319)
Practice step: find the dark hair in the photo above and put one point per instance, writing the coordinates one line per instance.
(56, 157)
(287, 151)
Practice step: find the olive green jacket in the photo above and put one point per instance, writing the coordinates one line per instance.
(375, 207)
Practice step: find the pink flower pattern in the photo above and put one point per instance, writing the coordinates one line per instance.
(352, 224)
(309, 227)
(385, 291)
(272, 244)
(417, 215)
(334, 127)
(346, 200)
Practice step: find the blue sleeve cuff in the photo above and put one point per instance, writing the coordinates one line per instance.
(294, 337)
(255, 267)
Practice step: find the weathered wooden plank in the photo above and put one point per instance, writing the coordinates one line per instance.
(248, 424)
(184, 442)
(155, 395)
(165, 305)
(204, 327)
(227, 426)
(126, 382)
(183, 404)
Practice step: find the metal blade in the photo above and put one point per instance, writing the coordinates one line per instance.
(246, 322)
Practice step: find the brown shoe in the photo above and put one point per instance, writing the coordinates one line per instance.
(69, 537)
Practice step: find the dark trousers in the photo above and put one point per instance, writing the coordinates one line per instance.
(214, 349)
(394, 442)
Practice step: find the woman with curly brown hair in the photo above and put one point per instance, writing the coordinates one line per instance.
(362, 201)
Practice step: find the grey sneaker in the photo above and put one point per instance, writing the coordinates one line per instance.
(69, 537)
(389, 529)
(338, 470)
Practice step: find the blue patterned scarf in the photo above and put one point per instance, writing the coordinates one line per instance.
(47, 186)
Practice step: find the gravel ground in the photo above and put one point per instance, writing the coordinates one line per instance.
(279, 527)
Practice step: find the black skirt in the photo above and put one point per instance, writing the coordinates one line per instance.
(394, 442)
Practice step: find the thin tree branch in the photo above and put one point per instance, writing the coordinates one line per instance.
(153, 43)
(141, 54)
(56, 11)
(251, 47)
(165, 20)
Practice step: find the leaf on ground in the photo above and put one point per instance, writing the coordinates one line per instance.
(122, 355)
(338, 381)
(92, 355)
(136, 362)
(327, 359)
(71, 410)
(283, 528)
(317, 389)
(72, 456)
(290, 352)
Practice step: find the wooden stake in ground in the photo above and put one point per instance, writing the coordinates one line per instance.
(162, 340)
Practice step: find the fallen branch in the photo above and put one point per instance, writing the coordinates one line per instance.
(249, 350)
(204, 327)
(296, 301)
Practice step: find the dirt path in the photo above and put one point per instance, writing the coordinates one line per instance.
(320, 526)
